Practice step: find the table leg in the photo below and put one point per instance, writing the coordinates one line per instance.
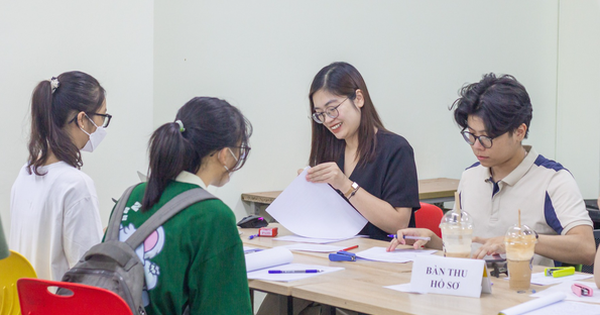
(252, 300)
(290, 305)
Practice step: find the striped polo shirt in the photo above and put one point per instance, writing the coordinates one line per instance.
(545, 191)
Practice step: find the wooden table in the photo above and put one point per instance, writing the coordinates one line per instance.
(360, 286)
(434, 190)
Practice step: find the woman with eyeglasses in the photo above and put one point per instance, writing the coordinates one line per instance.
(195, 260)
(352, 151)
(54, 206)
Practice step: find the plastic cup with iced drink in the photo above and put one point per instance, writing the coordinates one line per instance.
(519, 242)
(457, 233)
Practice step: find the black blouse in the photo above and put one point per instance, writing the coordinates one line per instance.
(391, 176)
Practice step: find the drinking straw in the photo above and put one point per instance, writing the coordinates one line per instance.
(457, 202)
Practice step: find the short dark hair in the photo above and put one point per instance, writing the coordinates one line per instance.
(501, 102)
(52, 109)
(343, 79)
(209, 124)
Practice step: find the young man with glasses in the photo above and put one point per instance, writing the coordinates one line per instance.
(494, 115)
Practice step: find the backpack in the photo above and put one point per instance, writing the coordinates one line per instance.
(114, 265)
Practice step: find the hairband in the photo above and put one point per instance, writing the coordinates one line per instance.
(54, 83)
(180, 123)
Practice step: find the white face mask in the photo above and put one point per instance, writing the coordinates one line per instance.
(230, 173)
(95, 137)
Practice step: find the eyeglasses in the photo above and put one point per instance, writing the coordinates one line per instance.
(485, 141)
(106, 119)
(241, 159)
(332, 112)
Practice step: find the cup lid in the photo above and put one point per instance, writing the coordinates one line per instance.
(454, 218)
(516, 231)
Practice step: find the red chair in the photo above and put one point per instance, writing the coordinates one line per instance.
(37, 299)
(429, 216)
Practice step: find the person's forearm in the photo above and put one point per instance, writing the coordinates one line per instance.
(381, 213)
(573, 248)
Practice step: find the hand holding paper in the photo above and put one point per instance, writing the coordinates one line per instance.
(328, 173)
(315, 210)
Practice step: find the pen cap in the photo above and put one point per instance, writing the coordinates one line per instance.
(454, 219)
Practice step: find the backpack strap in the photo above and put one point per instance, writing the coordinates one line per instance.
(112, 231)
(171, 208)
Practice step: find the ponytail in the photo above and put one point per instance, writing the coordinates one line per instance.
(202, 126)
(41, 121)
(169, 155)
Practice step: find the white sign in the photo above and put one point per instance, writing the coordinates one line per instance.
(450, 276)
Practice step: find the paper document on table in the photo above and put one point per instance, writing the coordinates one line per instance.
(566, 307)
(268, 258)
(525, 308)
(404, 287)
(540, 279)
(265, 275)
(565, 288)
(315, 210)
(302, 239)
(319, 248)
(397, 256)
(249, 250)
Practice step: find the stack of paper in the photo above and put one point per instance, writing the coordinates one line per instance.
(259, 263)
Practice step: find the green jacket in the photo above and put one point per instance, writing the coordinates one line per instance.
(195, 259)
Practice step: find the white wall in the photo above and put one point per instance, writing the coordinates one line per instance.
(578, 110)
(111, 40)
(262, 55)
(414, 55)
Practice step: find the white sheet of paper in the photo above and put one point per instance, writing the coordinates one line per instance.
(539, 278)
(567, 307)
(565, 288)
(249, 250)
(397, 256)
(319, 248)
(533, 305)
(268, 258)
(302, 239)
(265, 275)
(315, 210)
(404, 287)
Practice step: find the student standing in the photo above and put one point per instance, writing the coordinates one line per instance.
(494, 115)
(54, 206)
(194, 260)
(352, 151)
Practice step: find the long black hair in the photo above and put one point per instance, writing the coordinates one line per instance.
(51, 110)
(343, 79)
(209, 124)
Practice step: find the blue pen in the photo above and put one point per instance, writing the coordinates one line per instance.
(296, 271)
(408, 237)
(252, 236)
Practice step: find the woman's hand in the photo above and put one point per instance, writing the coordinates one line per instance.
(329, 173)
(399, 240)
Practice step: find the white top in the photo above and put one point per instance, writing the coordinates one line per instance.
(546, 193)
(54, 218)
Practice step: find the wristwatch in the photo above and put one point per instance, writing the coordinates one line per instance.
(353, 189)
